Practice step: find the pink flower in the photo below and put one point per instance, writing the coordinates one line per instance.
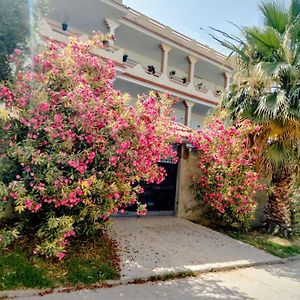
(113, 160)
(91, 156)
(37, 207)
(60, 255)
(69, 233)
(28, 203)
(18, 51)
(44, 107)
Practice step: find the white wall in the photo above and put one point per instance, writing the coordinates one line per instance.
(197, 121)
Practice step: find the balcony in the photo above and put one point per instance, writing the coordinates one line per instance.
(200, 88)
(136, 67)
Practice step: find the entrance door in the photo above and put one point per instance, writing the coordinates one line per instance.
(160, 198)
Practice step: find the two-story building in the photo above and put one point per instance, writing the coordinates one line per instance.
(148, 56)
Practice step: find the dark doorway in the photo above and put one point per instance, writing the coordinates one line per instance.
(160, 197)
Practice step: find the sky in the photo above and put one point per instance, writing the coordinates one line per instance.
(194, 17)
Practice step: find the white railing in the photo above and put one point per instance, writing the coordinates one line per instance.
(200, 85)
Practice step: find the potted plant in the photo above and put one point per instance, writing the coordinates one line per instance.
(64, 26)
(172, 73)
(125, 56)
(151, 69)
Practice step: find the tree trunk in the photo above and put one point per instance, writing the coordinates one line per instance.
(278, 209)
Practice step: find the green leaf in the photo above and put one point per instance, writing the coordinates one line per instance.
(275, 15)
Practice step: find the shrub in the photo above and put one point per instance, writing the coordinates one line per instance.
(228, 180)
(72, 152)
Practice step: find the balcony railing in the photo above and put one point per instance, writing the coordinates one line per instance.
(180, 81)
(116, 53)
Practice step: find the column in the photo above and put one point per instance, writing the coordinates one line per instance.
(227, 77)
(165, 49)
(188, 112)
(112, 25)
(191, 70)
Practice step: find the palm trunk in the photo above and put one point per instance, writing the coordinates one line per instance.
(278, 209)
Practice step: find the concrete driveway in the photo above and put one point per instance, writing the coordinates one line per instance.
(159, 245)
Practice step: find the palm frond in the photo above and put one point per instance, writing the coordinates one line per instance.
(274, 15)
(267, 41)
(230, 46)
(266, 85)
(266, 70)
(294, 10)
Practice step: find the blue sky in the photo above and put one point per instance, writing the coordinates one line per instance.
(193, 17)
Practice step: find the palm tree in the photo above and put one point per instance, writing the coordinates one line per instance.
(266, 90)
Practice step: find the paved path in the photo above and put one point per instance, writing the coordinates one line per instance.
(159, 245)
(271, 282)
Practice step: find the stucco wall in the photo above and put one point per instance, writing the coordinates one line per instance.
(187, 206)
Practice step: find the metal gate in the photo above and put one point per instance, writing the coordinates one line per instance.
(160, 198)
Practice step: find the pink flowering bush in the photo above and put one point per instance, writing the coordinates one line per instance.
(72, 152)
(228, 180)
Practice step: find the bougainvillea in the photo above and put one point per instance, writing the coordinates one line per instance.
(228, 180)
(72, 150)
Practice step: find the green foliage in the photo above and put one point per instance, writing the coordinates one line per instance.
(266, 90)
(88, 271)
(263, 242)
(18, 22)
(91, 261)
(17, 271)
(53, 233)
(72, 152)
(266, 87)
(228, 180)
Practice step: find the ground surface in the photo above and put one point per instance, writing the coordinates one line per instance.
(89, 260)
(266, 282)
(277, 246)
(158, 245)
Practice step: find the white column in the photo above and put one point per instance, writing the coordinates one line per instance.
(188, 112)
(165, 49)
(227, 78)
(191, 70)
(112, 25)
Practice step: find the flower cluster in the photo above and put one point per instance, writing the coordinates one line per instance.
(228, 180)
(71, 146)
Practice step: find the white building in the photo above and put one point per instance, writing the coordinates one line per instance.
(183, 67)
(201, 73)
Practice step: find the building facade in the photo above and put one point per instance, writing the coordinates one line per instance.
(148, 56)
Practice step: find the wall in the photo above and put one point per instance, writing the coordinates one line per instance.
(197, 120)
(187, 206)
